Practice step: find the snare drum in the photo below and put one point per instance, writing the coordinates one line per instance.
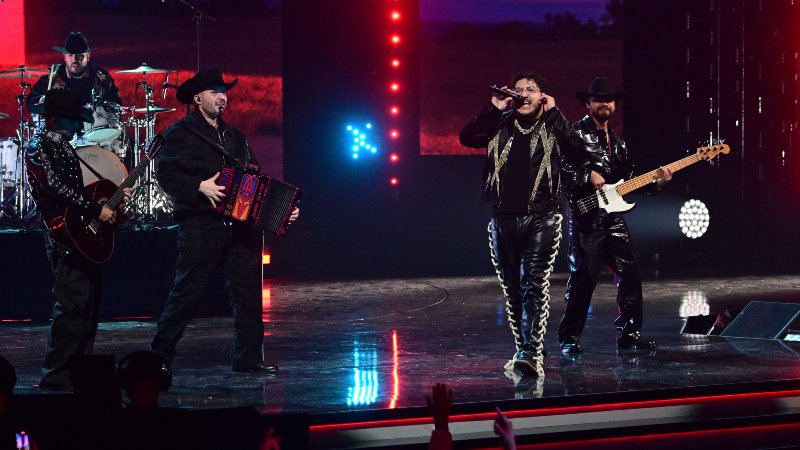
(103, 162)
(106, 126)
(9, 168)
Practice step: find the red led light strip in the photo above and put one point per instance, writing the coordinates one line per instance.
(555, 411)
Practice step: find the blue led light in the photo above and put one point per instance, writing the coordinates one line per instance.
(364, 137)
(365, 387)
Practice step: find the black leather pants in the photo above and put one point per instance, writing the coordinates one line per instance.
(523, 251)
(607, 242)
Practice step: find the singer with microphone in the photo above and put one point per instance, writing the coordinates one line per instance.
(527, 140)
(195, 149)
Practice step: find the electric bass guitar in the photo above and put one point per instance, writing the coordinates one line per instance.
(88, 235)
(609, 197)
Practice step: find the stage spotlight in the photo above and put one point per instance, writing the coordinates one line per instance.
(694, 303)
(395, 39)
(395, 15)
(694, 218)
(394, 87)
(394, 134)
(394, 110)
(395, 63)
(394, 158)
(393, 181)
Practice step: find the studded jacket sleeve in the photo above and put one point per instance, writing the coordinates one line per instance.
(56, 179)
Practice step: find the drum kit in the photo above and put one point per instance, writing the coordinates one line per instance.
(113, 143)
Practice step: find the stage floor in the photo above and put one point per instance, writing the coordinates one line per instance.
(356, 345)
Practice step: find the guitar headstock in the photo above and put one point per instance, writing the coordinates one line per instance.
(710, 152)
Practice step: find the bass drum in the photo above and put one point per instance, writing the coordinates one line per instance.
(103, 162)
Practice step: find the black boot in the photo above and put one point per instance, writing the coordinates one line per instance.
(634, 341)
(572, 344)
(529, 362)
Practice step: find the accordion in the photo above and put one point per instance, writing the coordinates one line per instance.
(262, 201)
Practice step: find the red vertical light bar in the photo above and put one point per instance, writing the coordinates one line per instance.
(12, 22)
(395, 37)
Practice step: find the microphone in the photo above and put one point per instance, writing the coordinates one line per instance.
(518, 99)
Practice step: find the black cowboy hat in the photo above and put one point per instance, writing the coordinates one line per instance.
(202, 81)
(75, 44)
(66, 104)
(599, 87)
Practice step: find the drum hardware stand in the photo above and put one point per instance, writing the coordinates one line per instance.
(199, 15)
(23, 209)
(151, 206)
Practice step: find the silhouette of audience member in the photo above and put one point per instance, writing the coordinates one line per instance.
(8, 378)
(439, 403)
(504, 429)
(143, 375)
(12, 435)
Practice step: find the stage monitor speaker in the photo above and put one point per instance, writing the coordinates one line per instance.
(763, 320)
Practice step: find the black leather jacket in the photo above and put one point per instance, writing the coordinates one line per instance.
(491, 122)
(96, 78)
(55, 177)
(186, 160)
(613, 165)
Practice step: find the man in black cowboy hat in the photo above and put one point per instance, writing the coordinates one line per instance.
(187, 168)
(525, 143)
(90, 82)
(56, 180)
(603, 238)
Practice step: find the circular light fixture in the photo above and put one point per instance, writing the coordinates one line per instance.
(694, 219)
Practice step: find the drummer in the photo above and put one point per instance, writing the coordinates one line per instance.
(90, 82)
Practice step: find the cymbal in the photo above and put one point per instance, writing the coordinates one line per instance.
(4, 116)
(144, 68)
(154, 109)
(23, 72)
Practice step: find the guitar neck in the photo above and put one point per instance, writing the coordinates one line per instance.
(116, 199)
(647, 178)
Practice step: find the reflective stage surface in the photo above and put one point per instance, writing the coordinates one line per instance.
(355, 345)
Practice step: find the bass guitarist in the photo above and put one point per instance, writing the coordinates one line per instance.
(601, 238)
(57, 183)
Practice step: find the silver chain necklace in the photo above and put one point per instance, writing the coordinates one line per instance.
(523, 130)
